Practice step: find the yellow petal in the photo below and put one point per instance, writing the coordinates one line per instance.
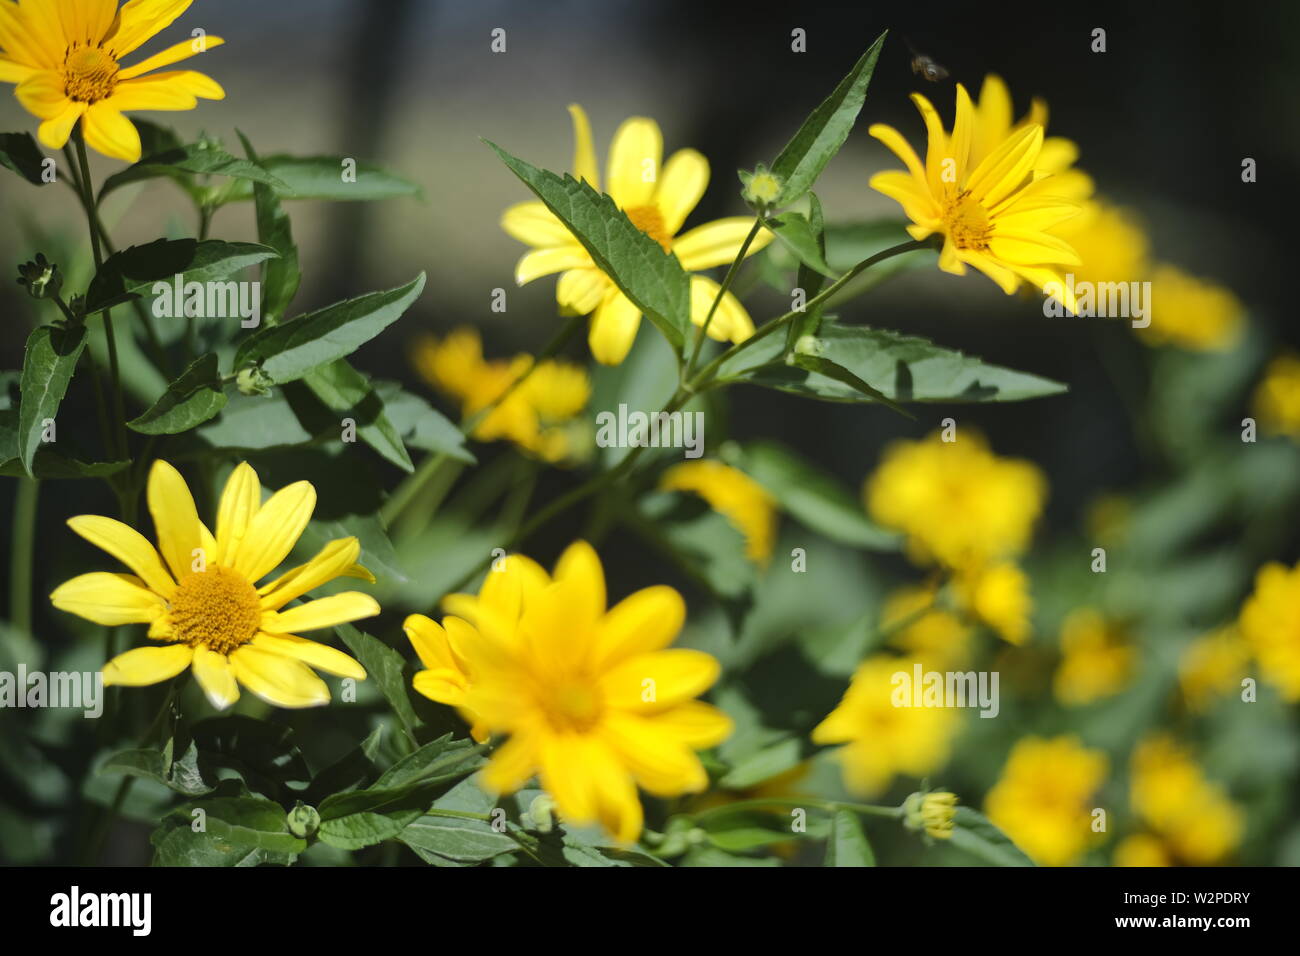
(109, 132)
(532, 223)
(513, 763)
(580, 291)
(279, 680)
(937, 144)
(189, 82)
(147, 665)
(584, 153)
(731, 323)
(544, 262)
(590, 785)
(240, 500)
(216, 677)
(128, 546)
(26, 43)
(320, 656)
(323, 612)
(695, 723)
(994, 117)
(645, 621)
(659, 680)
(634, 159)
(430, 642)
(442, 684)
(12, 71)
(903, 188)
(717, 243)
(140, 20)
(108, 599)
(1004, 277)
(660, 762)
(613, 329)
(1007, 168)
(332, 561)
(959, 146)
(903, 150)
(685, 177)
(274, 530)
(42, 95)
(150, 94)
(173, 54)
(580, 566)
(176, 520)
(1031, 248)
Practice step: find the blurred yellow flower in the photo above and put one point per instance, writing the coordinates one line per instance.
(1277, 398)
(1110, 242)
(1096, 659)
(1141, 849)
(1192, 313)
(593, 699)
(1043, 800)
(533, 415)
(1270, 623)
(730, 492)
(1213, 666)
(957, 502)
(997, 595)
(657, 200)
(447, 650)
(991, 210)
(65, 56)
(933, 635)
(203, 606)
(884, 741)
(1193, 815)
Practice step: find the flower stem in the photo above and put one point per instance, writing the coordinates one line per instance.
(829, 806)
(717, 299)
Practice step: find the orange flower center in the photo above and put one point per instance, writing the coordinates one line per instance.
(967, 222)
(651, 221)
(574, 706)
(217, 609)
(89, 74)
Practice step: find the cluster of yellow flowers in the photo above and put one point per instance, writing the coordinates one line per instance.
(1097, 659)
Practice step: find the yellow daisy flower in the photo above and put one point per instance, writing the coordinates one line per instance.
(593, 699)
(1192, 313)
(997, 595)
(993, 212)
(198, 593)
(730, 492)
(532, 416)
(1097, 659)
(1277, 397)
(1173, 796)
(657, 200)
(65, 56)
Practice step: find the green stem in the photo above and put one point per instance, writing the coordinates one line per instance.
(717, 299)
(22, 554)
(829, 806)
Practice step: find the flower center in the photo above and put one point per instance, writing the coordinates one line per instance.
(89, 74)
(217, 609)
(651, 221)
(573, 706)
(967, 222)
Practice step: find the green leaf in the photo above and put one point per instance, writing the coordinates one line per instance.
(249, 822)
(264, 755)
(176, 844)
(49, 465)
(653, 279)
(346, 391)
(976, 835)
(129, 273)
(825, 367)
(280, 277)
(48, 366)
(383, 666)
(814, 498)
(438, 838)
(437, 761)
(181, 163)
(288, 351)
(902, 368)
(799, 236)
(255, 423)
(847, 844)
(183, 776)
(422, 426)
(20, 154)
(825, 130)
(322, 177)
(194, 398)
(742, 828)
(809, 279)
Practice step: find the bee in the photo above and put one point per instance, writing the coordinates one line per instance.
(926, 65)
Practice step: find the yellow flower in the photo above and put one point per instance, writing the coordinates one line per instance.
(1212, 666)
(992, 210)
(1192, 313)
(957, 502)
(1277, 399)
(997, 595)
(594, 700)
(203, 605)
(65, 56)
(933, 812)
(1193, 815)
(1141, 849)
(730, 492)
(1043, 799)
(533, 415)
(1270, 623)
(1096, 659)
(884, 740)
(1110, 242)
(936, 636)
(657, 200)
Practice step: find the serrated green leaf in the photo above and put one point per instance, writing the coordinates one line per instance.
(973, 833)
(183, 162)
(132, 272)
(183, 776)
(322, 178)
(48, 366)
(346, 391)
(422, 426)
(288, 351)
(192, 399)
(255, 423)
(825, 130)
(20, 154)
(848, 844)
(798, 235)
(280, 277)
(828, 369)
(651, 278)
(249, 822)
(384, 666)
(49, 465)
